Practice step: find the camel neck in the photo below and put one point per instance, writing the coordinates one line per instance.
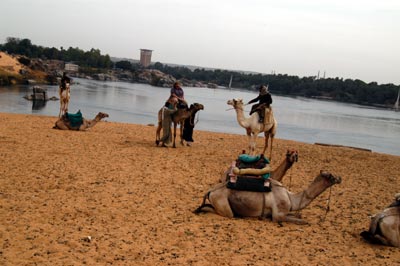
(281, 170)
(302, 199)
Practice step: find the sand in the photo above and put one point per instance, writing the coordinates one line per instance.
(109, 196)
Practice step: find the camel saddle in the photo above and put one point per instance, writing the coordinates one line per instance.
(250, 173)
(75, 120)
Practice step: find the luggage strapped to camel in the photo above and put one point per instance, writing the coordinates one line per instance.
(249, 173)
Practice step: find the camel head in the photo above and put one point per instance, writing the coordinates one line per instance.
(197, 106)
(236, 103)
(101, 115)
(328, 177)
(292, 156)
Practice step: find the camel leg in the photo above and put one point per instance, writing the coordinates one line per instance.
(175, 125)
(270, 152)
(181, 132)
(158, 132)
(61, 108)
(221, 204)
(60, 125)
(253, 139)
(66, 106)
(266, 134)
(282, 217)
(248, 133)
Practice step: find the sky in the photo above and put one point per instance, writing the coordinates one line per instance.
(355, 39)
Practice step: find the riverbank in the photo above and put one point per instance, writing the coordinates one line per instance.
(110, 196)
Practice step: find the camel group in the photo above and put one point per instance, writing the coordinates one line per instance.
(178, 119)
(279, 204)
(64, 122)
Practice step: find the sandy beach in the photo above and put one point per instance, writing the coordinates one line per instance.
(109, 196)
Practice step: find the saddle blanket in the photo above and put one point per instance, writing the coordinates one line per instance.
(75, 120)
(249, 184)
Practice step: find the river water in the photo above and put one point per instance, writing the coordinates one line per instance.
(299, 119)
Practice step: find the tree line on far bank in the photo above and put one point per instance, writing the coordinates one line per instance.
(337, 89)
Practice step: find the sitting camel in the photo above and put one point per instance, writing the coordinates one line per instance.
(254, 127)
(276, 204)
(385, 226)
(65, 95)
(178, 118)
(64, 123)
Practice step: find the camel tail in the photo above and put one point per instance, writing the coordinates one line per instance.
(371, 238)
(200, 209)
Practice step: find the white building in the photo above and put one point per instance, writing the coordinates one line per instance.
(71, 67)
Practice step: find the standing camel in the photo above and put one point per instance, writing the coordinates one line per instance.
(253, 127)
(65, 95)
(178, 118)
(64, 123)
(385, 226)
(276, 204)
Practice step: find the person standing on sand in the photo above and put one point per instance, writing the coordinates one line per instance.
(188, 127)
(167, 111)
(265, 100)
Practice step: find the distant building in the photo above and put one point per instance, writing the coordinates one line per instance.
(145, 57)
(71, 67)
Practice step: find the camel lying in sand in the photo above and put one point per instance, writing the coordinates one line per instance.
(276, 204)
(64, 123)
(385, 226)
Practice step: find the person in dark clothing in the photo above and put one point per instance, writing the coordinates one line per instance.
(188, 129)
(65, 81)
(265, 100)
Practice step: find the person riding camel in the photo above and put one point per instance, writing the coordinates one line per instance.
(265, 100)
(65, 81)
(177, 92)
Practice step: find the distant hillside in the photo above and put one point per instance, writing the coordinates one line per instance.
(19, 69)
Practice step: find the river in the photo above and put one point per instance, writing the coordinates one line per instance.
(299, 119)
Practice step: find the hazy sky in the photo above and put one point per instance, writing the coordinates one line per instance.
(357, 39)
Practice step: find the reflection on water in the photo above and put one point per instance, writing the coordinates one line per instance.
(299, 119)
(38, 104)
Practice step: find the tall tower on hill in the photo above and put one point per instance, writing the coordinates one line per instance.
(145, 57)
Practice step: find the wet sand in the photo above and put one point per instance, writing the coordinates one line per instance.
(109, 196)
